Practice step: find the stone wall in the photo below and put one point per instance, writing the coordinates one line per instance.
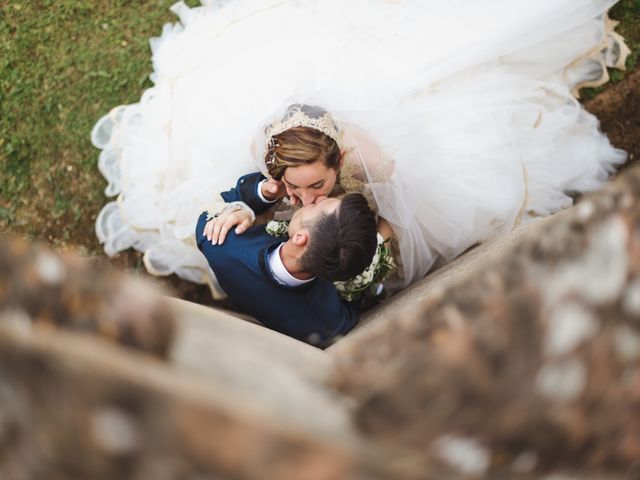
(103, 378)
(529, 363)
(41, 288)
(73, 408)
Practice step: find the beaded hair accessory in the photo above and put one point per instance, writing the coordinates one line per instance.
(300, 115)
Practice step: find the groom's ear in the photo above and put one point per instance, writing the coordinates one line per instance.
(300, 238)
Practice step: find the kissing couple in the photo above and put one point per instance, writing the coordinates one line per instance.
(307, 277)
(284, 278)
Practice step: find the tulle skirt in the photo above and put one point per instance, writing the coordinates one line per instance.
(473, 100)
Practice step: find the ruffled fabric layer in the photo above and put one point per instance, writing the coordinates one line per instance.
(473, 100)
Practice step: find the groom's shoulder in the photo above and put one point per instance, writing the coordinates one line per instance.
(244, 247)
(252, 240)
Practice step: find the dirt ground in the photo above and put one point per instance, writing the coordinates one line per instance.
(618, 110)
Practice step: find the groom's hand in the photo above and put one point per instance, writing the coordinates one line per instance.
(273, 189)
(276, 189)
(217, 228)
(295, 201)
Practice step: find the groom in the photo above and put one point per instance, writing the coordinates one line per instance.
(285, 282)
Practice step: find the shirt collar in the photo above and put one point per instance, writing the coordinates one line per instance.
(280, 273)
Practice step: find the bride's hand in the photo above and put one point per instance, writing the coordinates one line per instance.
(217, 228)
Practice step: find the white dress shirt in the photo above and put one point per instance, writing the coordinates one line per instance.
(280, 273)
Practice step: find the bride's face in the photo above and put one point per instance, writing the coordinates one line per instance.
(310, 183)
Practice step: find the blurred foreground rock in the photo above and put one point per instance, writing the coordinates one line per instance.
(528, 363)
(75, 409)
(46, 290)
(227, 398)
(521, 359)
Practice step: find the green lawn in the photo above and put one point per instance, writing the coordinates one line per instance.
(627, 12)
(65, 63)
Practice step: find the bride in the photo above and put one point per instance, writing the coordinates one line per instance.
(458, 119)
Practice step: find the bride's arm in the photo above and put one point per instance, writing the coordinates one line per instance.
(372, 163)
(384, 229)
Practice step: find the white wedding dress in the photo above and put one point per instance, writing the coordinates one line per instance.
(470, 99)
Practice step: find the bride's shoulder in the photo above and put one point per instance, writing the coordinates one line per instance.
(364, 158)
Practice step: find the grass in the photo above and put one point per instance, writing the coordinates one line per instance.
(64, 64)
(627, 13)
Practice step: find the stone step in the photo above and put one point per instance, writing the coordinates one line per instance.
(282, 374)
(206, 334)
(74, 406)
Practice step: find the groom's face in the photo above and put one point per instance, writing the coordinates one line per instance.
(305, 216)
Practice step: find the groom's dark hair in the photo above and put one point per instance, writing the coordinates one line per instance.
(343, 243)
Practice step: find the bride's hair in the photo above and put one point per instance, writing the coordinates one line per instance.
(300, 146)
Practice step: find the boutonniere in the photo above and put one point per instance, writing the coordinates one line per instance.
(278, 228)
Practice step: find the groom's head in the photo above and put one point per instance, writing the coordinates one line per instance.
(337, 238)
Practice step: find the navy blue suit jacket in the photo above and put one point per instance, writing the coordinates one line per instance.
(312, 312)
(246, 190)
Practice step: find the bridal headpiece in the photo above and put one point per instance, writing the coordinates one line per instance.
(300, 115)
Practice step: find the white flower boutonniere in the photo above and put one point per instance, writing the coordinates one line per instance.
(277, 228)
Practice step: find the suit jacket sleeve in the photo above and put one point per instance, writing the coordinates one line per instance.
(246, 190)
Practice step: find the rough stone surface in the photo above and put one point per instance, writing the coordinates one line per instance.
(406, 301)
(280, 375)
(41, 289)
(530, 362)
(72, 407)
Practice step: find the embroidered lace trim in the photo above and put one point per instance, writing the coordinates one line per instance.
(296, 117)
